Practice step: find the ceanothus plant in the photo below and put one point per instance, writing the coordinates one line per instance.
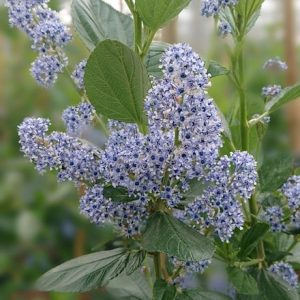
(184, 190)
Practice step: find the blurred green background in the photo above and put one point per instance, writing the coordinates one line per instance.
(40, 225)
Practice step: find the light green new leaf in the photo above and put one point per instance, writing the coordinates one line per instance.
(166, 234)
(152, 59)
(215, 69)
(163, 291)
(96, 21)
(117, 82)
(201, 295)
(243, 282)
(156, 13)
(85, 273)
(288, 94)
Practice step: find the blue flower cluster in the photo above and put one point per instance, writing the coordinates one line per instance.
(274, 215)
(212, 7)
(231, 180)
(77, 118)
(182, 144)
(286, 272)
(78, 74)
(47, 33)
(275, 64)
(271, 91)
(224, 29)
(74, 159)
(188, 268)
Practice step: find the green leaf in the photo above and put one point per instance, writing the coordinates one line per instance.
(133, 287)
(275, 171)
(166, 234)
(136, 259)
(156, 13)
(89, 271)
(163, 291)
(288, 94)
(116, 82)
(272, 287)
(243, 282)
(152, 59)
(215, 69)
(196, 189)
(118, 194)
(251, 238)
(96, 21)
(201, 295)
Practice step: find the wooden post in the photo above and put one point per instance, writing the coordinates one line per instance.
(293, 108)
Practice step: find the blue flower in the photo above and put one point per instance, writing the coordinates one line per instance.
(286, 272)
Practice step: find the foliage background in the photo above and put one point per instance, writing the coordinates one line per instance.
(40, 226)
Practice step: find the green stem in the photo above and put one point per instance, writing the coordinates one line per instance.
(147, 44)
(245, 264)
(260, 247)
(138, 33)
(242, 96)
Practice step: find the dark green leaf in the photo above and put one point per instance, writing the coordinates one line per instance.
(96, 21)
(272, 287)
(152, 59)
(116, 82)
(86, 272)
(288, 94)
(215, 69)
(166, 234)
(275, 171)
(118, 194)
(136, 259)
(251, 237)
(156, 13)
(163, 291)
(243, 282)
(202, 295)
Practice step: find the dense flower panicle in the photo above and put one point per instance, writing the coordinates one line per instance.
(183, 141)
(74, 160)
(286, 272)
(271, 90)
(45, 69)
(78, 74)
(184, 68)
(274, 216)
(275, 64)
(128, 217)
(178, 102)
(212, 7)
(229, 180)
(291, 189)
(224, 29)
(78, 118)
(47, 33)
